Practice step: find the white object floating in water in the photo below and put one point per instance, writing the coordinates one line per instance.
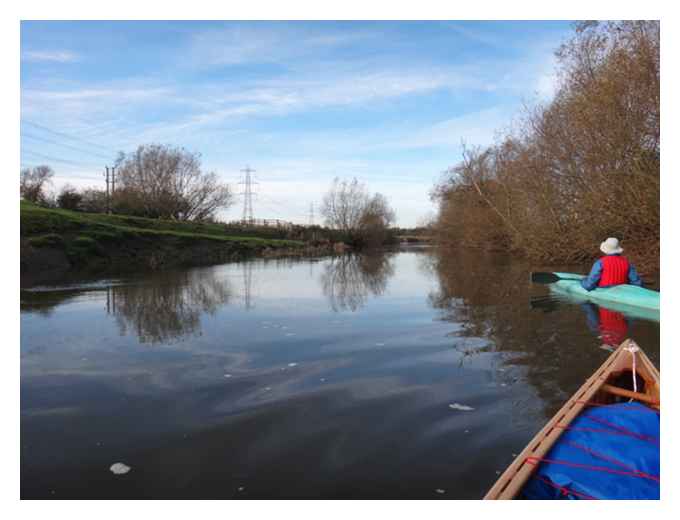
(292, 364)
(322, 379)
(241, 488)
(379, 344)
(227, 375)
(119, 468)
(440, 491)
(462, 407)
(290, 333)
(267, 389)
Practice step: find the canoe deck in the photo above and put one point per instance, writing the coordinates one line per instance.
(606, 386)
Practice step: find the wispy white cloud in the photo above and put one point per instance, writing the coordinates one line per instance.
(238, 44)
(547, 85)
(53, 56)
(478, 128)
(476, 35)
(105, 95)
(278, 97)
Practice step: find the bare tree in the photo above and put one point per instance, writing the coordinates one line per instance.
(362, 218)
(344, 205)
(376, 220)
(162, 181)
(577, 169)
(33, 182)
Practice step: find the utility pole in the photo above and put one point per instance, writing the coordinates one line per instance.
(248, 195)
(108, 205)
(109, 193)
(113, 181)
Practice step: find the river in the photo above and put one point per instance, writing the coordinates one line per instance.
(403, 374)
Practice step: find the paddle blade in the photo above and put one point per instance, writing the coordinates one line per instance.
(544, 277)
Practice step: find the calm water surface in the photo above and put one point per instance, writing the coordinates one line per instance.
(328, 378)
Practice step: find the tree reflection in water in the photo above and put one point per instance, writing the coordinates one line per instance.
(488, 296)
(169, 306)
(348, 280)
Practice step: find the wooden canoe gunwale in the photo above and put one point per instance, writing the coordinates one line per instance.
(516, 475)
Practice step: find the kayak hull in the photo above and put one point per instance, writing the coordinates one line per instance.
(628, 295)
(630, 311)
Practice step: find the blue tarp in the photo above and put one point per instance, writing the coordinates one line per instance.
(608, 452)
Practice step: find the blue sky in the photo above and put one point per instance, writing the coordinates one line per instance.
(300, 102)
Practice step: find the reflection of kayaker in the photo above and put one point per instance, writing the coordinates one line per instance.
(610, 326)
(612, 269)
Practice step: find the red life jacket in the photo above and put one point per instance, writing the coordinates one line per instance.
(613, 327)
(614, 270)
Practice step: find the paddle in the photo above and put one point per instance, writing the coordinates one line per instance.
(545, 278)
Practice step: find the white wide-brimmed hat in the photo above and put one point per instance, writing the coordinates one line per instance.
(611, 246)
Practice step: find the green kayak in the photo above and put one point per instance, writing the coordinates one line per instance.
(626, 297)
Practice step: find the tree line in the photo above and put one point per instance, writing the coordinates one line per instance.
(573, 171)
(154, 181)
(158, 181)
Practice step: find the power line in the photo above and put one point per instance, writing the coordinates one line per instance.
(80, 177)
(285, 205)
(55, 159)
(67, 136)
(77, 149)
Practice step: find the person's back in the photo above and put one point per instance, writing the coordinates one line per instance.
(612, 269)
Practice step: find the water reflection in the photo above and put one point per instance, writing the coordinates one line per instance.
(278, 380)
(168, 308)
(610, 326)
(488, 296)
(348, 280)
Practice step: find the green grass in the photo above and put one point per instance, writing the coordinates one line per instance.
(54, 227)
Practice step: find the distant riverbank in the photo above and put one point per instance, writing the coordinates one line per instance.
(55, 242)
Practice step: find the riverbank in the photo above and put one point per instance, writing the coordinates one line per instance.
(56, 241)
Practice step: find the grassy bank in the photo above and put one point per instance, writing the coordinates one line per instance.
(61, 240)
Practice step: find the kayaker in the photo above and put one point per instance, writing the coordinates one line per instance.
(611, 269)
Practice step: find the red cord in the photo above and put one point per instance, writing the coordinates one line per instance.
(638, 474)
(600, 455)
(600, 430)
(622, 429)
